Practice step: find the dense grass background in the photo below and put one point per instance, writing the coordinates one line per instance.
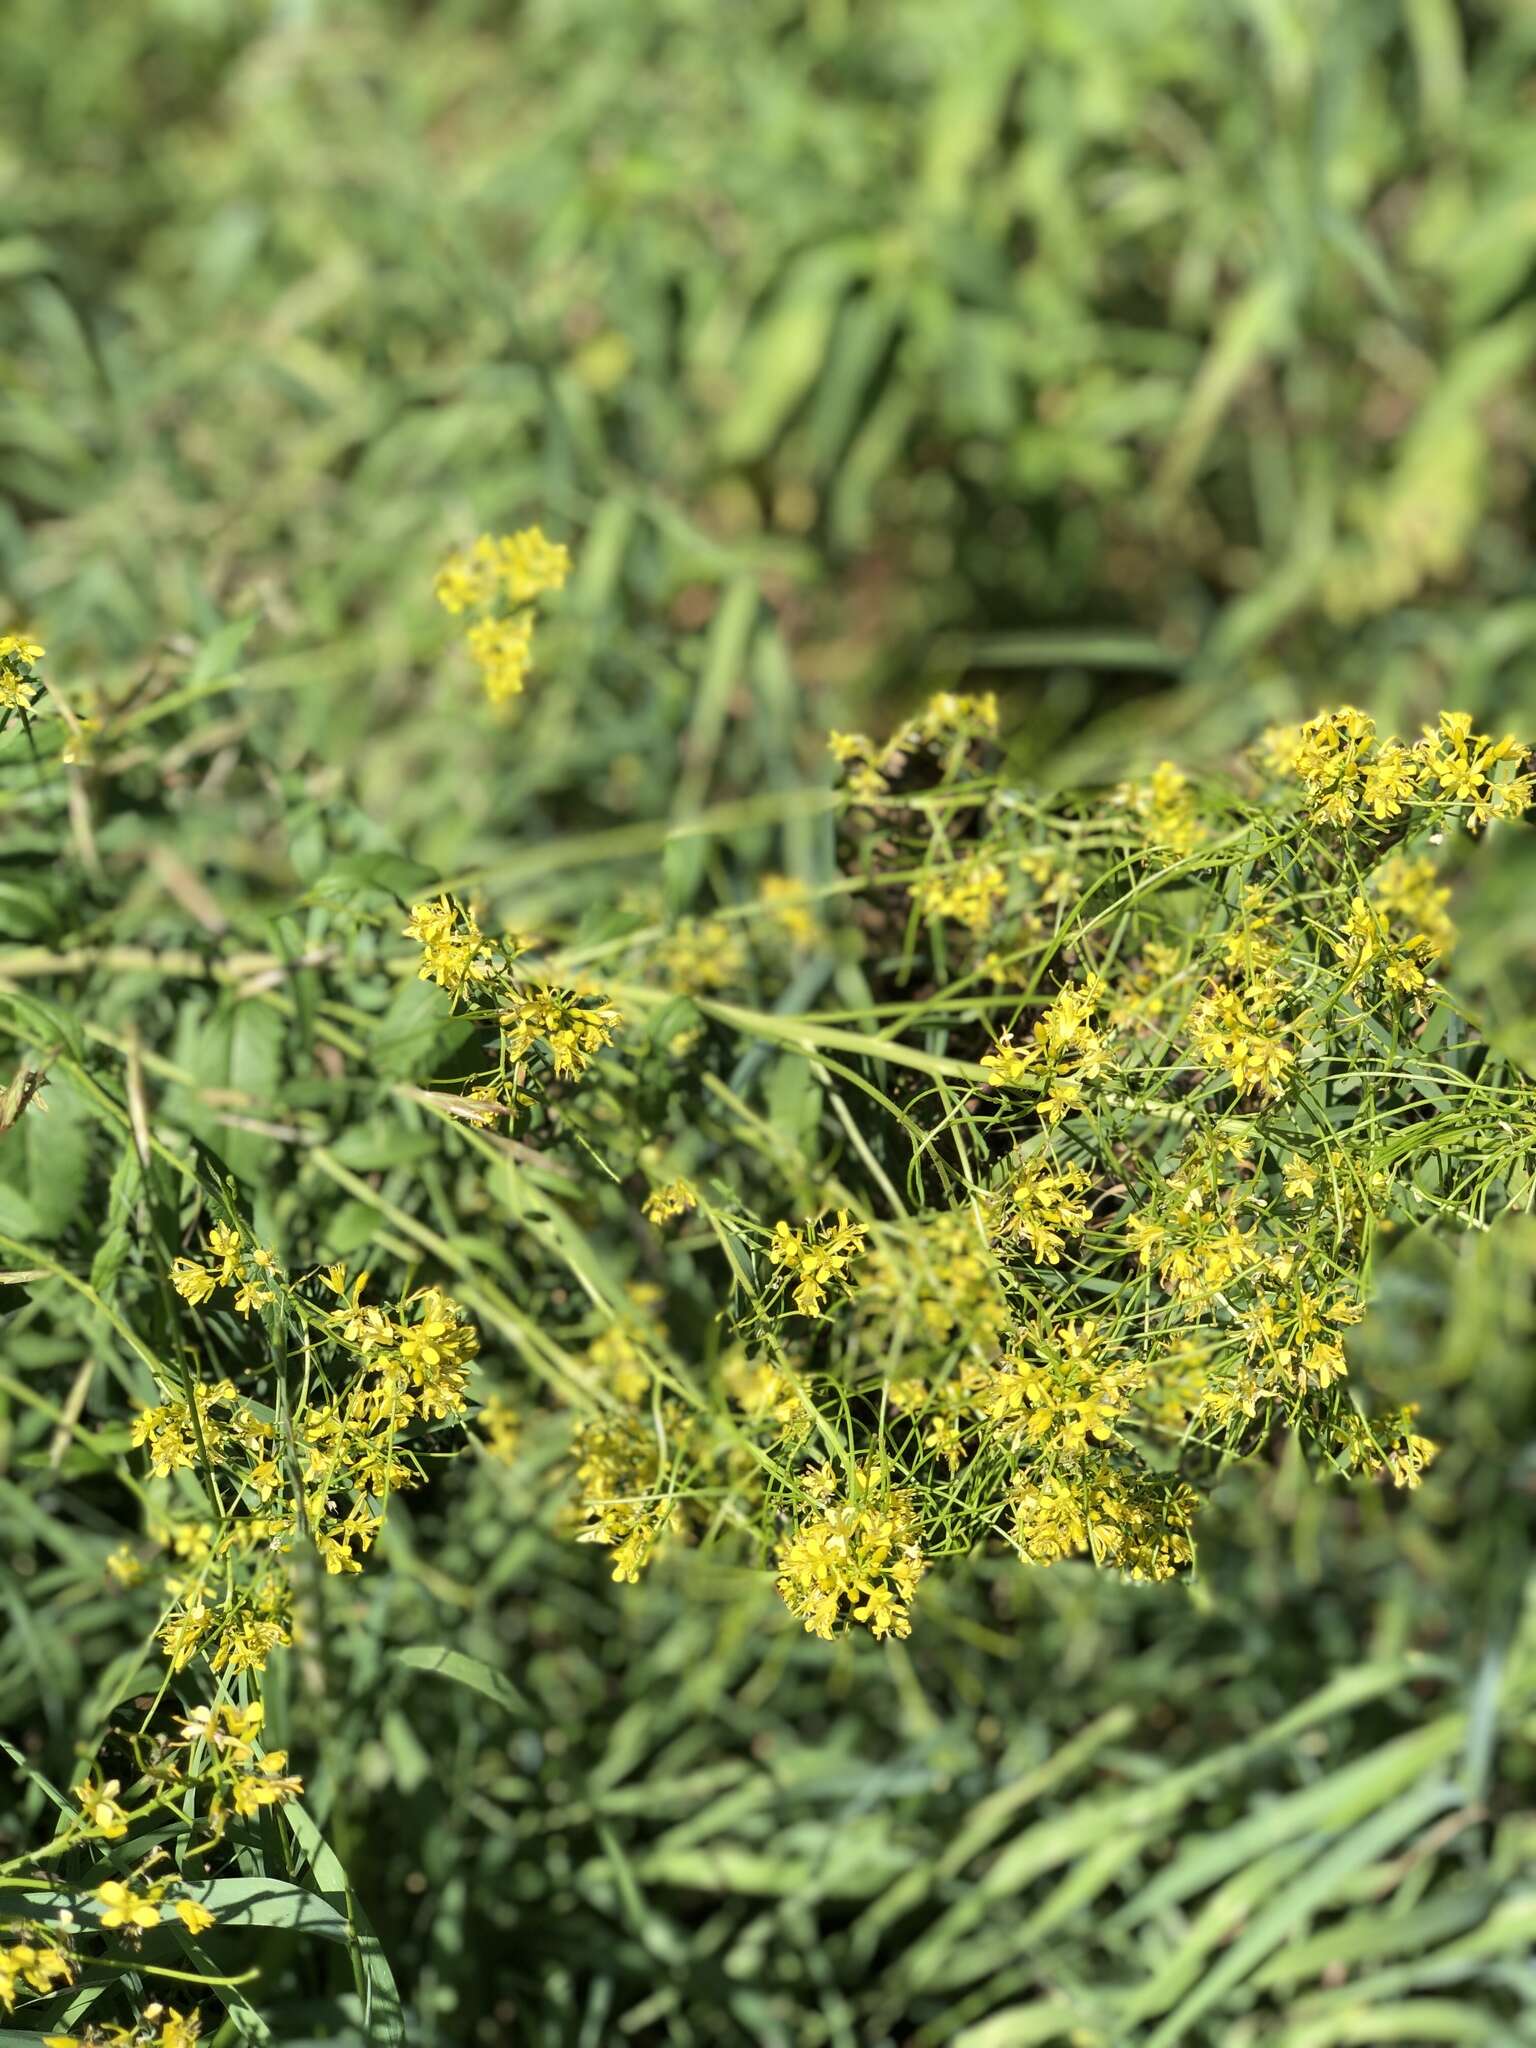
(1166, 366)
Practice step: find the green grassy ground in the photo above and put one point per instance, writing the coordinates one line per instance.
(1167, 367)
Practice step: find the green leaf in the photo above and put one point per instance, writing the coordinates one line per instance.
(383, 2014)
(41, 1026)
(359, 877)
(44, 1165)
(787, 348)
(117, 1237)
(235, 1901)
(464, 1670)
(1292, 1907)
(416, 1032)
(220, 653)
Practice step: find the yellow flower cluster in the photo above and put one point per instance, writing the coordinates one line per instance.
(621, 1472)
(949, 723)
(1067, 1386)
(500, 1424)
(1411, 894)
(1387, 1443)
(701, 954)
(158, 2026)
(32, 1959)
(856, 1557)
(18, 657)
(1240, 1032)
(327, 1475)
(939, 1275)
(454, 951)
(567, 1027)
(620, 1353)
(1043, 1204)
(1190, 1233)
(665, 1204)
(972, 892)
(1132, 1523)
(1294, 1331)
(856, 754)
(1368, 946)
(1067, 1054)
(1167, 808)
(570, 1028)
(242, 1777)
(1234, 1269)
(1254, 942)
(817, 1257)
(765, 1394)
(789, 911)
(1398, 934)
(1350, 778)
(512, 571)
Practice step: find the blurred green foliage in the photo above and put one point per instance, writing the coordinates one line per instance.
(1169, 365)
(1103, 349)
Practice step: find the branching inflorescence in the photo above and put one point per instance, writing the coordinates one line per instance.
(1182, 1059)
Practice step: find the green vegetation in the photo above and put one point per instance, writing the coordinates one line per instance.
(1167, 369)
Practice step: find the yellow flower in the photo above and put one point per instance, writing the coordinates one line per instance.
(1390, 780)
(632, 1553)
(1240, 1031)
(224, 1245)
(701, 954)
(573, 1029)
(789, 909)
(1010, 1065)
(502, 1427)
(194, 1283)
(816, 1257)
(467, 579)
(246, 1642)
(193, 1917)
(1167, 806)
(861, 1550)
(101, 1807)
(530, 564)
(452, 945)
(124, 1566)
(661, 1205)
(267, 1785)
(972, 892)
(17, 654)
(177, 2029)
(1299, 1179)
(229, 1729)
(35, 1962)
(503, 649)
(1044, 1206)
(125, 1908)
